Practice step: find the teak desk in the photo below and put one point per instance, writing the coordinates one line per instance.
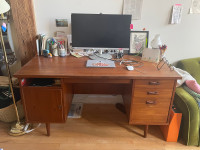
(147, 93)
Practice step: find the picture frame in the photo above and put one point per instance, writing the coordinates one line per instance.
(61, 23)
(138, 41)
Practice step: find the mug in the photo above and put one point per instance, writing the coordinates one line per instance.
(62, 52)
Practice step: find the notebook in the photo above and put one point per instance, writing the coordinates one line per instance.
(100, 63)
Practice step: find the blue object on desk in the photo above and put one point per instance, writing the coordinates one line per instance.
(45, 52)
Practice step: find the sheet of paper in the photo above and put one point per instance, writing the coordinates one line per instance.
(134, 8)
(69, 38)
(195, 7)
(176, 14)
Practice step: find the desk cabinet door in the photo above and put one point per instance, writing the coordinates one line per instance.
(43, 104)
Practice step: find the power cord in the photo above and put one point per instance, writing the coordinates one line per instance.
(130, 62)
(135, 64)
(106, 57)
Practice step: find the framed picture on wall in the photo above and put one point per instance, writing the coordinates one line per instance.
(138, 41)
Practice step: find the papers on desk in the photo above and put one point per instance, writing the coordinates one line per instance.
(176, 14)
(75, 110)
(134, 8)
(76, 54)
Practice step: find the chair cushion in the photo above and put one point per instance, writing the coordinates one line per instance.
(193, 85)
(192, 66)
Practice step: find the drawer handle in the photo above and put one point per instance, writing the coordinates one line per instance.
(154, 83)
(149, 102)
(152, 93)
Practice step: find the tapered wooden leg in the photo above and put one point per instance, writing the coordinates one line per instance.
(48, 129)
(146, 130)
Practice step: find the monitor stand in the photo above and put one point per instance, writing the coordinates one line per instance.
(97, 56)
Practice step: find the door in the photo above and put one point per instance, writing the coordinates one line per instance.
(43, 104)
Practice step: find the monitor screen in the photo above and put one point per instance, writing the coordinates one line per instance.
(101, 31)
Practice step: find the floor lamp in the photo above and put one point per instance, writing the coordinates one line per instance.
(18, 128)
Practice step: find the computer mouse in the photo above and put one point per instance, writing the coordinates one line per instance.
(130, 68)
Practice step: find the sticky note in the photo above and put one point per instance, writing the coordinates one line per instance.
(131, 26)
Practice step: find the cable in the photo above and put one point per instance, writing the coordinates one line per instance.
(130, 62)
(135, 64)
(103, 57)
(30, 130)
(26, 129)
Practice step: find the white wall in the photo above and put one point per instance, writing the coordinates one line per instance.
(183, 40)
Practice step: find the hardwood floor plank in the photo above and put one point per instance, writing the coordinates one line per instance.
(102, 127)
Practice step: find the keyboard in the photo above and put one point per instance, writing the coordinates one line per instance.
(100, 63)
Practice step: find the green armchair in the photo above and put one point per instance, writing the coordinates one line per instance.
(187, 104)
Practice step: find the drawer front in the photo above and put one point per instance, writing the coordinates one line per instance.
(150, 110)
(157, 84)
(153, 92)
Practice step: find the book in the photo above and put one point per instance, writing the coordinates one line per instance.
(75, 110)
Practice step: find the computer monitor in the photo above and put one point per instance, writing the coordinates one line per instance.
(104, 31)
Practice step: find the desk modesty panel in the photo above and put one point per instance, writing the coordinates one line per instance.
(147, 93)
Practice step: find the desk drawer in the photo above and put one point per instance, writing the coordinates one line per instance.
(157, 84)
(153, 92)
(150, 110)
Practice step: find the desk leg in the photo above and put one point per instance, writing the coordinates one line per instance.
(48, 129)
(146, 130)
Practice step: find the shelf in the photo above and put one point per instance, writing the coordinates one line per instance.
(41, 82)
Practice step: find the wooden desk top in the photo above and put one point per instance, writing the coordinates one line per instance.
(69, 67)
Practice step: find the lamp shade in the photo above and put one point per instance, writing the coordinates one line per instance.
(4, 6)
(156, 42)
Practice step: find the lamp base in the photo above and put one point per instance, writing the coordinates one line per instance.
(17, 129)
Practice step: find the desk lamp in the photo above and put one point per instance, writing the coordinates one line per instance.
(156, 42)
(18, 128)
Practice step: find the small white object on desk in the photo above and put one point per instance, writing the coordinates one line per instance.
(130, 68)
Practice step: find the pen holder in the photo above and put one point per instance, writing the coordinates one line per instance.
(62, 52)
(54, 50)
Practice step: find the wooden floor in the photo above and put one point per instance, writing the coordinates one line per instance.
(102, 127)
